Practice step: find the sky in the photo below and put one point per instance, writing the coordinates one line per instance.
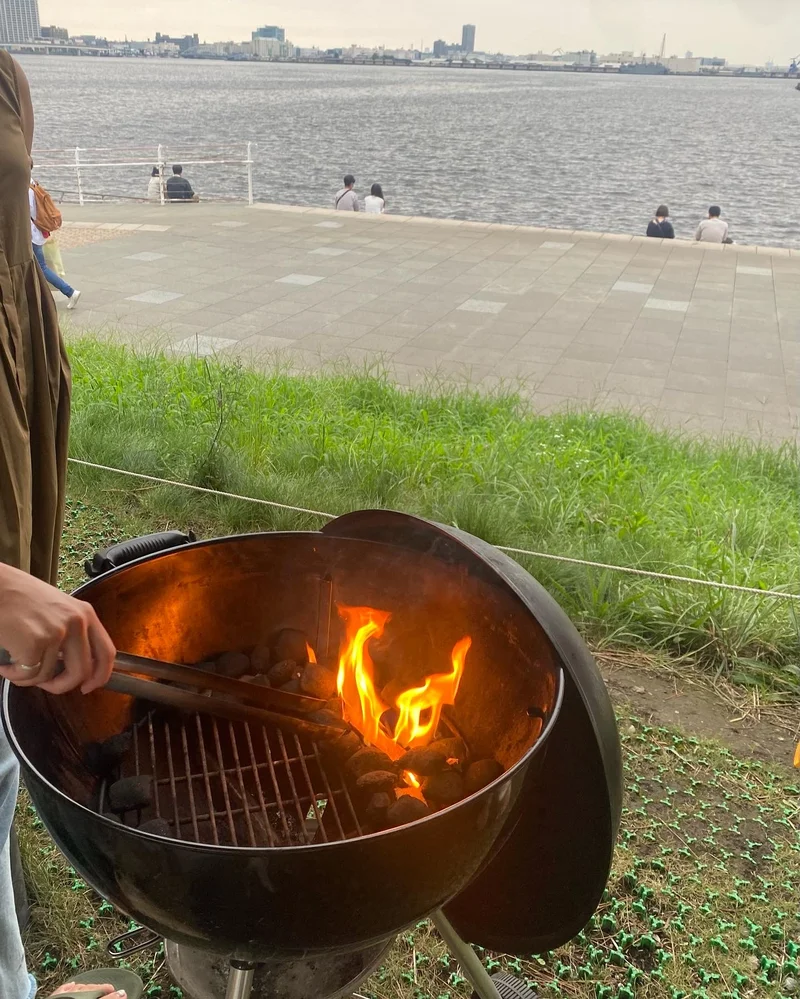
(752, 31)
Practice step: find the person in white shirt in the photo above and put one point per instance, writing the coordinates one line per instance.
(38, 238)
(347, 199)
(154, 186)
(375, 203)
(712, 229)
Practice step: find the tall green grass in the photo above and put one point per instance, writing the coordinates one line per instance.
(607, 488)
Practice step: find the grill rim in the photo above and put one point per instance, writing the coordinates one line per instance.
(238, 851)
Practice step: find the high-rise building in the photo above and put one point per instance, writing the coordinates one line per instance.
(19, 20)
(468, 38)
(270, 31)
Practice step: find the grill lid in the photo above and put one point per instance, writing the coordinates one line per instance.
(546, 879)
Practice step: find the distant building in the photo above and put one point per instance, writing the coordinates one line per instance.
(468, 38)
(271, 48)
(270, 31)
(683, 64)
(19, 20)
(54, 34)
(440, 49)
(184, 42)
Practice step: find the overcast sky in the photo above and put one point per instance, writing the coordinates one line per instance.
(741, 30)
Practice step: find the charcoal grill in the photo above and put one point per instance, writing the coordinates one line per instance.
(268, 860)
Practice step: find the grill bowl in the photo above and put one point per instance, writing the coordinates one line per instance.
(253, 903)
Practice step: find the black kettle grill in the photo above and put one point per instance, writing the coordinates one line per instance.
(518, 867)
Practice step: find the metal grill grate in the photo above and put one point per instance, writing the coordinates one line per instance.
(238, 784)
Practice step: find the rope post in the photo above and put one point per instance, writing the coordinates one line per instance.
(250, 174)
(78, 174)
(161, 173)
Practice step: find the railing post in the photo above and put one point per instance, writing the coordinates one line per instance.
(161, 172)
(78, 174)
(249, 174)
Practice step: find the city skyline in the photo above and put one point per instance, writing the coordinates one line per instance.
(19, 20)
(746, 31)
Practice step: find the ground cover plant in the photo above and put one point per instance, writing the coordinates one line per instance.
(608, 488)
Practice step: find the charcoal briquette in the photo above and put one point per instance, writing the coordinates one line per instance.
(329, 719)
(290, 644)
(282, 672)
(334, 705)
(406, 809)
(259, 680)
(379, 805)
(345, 746)
(291, 686)
(479, 774)
(233, 664)
(260, 658)
(103, 758)
(450, 749)
(377, 780)
(316, 681)
(424, 762)
(366, 760)
(158, 827)
(130, 794)
(445, 788)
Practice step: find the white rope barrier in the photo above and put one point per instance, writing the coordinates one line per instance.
(754, 590)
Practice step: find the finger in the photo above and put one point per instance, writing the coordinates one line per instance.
(45, 659)
(103, 653)
(77, 656)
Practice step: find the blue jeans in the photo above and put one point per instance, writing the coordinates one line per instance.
(52, 277)
(14, 980)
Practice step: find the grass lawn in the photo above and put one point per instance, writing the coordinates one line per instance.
(703, 900)
(602, 487)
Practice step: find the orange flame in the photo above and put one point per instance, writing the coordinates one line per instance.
(310, 654)
(419, 709)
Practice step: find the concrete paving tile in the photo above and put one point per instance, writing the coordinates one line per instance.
(647, 367)
(775, 401)
(203, 346)
(303, 280)
(703, 382)
(639, 386)
(595, 371)
(155, 296)
(693, 403)
(482, 305)
(666, 305)
(634, 287)
(581, 389)
(146, 255)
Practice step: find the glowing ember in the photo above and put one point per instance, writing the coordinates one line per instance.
(418, 709)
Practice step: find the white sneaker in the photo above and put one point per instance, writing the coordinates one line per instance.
(73, 301)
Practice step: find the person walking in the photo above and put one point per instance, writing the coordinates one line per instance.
(38, 238)
(660, 226)
(375, 203)
(712, 229)
(347, 199)
(154, 185)
(42, 629)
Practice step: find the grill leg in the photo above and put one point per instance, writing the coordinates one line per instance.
(240, 981)
(470, 962)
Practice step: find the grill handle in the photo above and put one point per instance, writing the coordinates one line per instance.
(126, 943)
(127, 551)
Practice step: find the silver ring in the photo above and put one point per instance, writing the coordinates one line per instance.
(29, 669)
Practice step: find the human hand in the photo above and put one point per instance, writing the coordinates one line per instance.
(43, 628)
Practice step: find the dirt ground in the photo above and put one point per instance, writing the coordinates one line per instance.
(665, 694)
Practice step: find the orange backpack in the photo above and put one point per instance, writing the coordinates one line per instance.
(48, 217)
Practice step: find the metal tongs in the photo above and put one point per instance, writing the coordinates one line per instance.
(138, 676)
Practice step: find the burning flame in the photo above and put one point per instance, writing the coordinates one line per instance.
(310, 654)
(418, 709)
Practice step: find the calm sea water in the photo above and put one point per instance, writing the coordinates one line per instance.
(589, 152)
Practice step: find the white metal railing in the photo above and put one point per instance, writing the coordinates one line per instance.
(79, 161)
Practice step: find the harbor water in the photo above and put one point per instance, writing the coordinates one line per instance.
(577, 151)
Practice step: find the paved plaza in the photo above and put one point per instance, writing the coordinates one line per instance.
(697, 336)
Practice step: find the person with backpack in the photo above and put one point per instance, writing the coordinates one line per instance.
(45, 219)
(660, 227)
(347, 199)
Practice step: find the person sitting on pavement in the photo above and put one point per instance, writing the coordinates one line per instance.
(660, 227)
(178, 187)
(347, 199)
(712, 229)
(375, 203)
(154, 185)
